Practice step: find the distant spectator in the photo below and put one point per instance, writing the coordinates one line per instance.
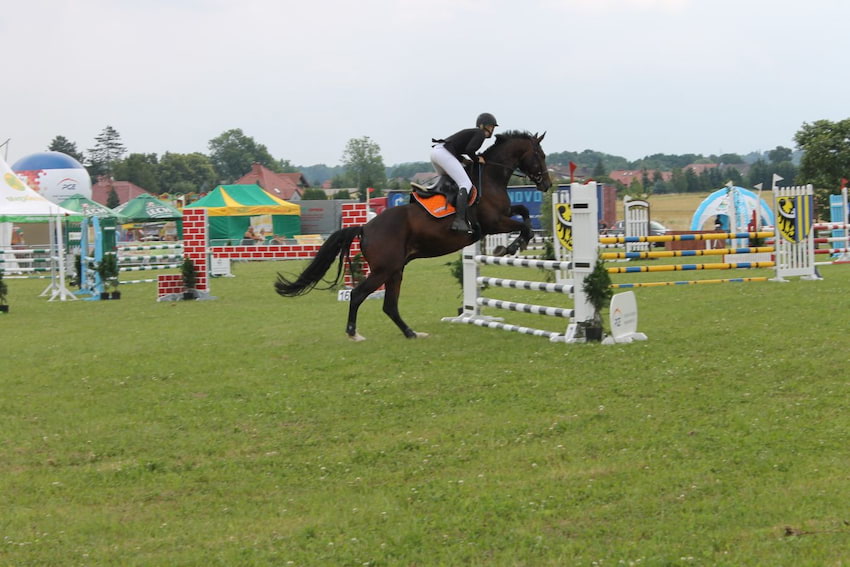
(249, 237)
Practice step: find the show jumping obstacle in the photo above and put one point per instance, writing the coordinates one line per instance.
(147, 262)
(196, 247)
(583, 221)
(577, 247)
(790, 246)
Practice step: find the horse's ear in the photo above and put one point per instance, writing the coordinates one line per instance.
(540, 138)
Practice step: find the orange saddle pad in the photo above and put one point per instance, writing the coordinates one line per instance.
(438, 205)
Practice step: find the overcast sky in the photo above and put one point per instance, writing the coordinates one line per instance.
(302, 77)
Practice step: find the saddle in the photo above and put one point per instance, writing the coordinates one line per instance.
(439, 196)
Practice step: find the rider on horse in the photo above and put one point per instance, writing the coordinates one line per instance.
(446, 156)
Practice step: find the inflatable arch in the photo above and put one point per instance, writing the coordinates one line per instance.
(728, 201)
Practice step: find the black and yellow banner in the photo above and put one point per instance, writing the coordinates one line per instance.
(794, 217)
(564, 225)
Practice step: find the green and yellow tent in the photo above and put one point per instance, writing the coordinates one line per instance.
(230, 208)
(147, 208)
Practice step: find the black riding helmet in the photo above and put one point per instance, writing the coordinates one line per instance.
(485, 119)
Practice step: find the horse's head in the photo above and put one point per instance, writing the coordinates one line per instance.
(533, 164)
(528, 156)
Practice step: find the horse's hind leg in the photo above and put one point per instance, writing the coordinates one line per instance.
(393, 290)
(358, 295)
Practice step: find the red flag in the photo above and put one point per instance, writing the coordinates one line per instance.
(370, 189)
(572, 171)
(843, 183)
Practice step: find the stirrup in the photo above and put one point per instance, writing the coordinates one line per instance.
(461, 225)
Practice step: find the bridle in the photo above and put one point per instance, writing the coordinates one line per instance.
(537, 177)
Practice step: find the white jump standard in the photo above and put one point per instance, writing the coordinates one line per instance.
(583, 205)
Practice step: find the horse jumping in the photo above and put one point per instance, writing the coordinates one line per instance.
(404, 233)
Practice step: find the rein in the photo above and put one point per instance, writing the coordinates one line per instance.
(516, 172)
(536, 177)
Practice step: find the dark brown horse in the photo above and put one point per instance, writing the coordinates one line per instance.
(401, 234)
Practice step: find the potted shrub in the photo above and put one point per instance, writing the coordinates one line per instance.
(597, 288)
(112, 272)
(78, 274)
(107, 269)
(4, 290)
(356, 268)
(190, 278)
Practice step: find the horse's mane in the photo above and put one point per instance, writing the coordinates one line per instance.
(511, 134)
(507, 136)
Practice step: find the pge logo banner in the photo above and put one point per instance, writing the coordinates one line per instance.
(794, 217)
(565, 225)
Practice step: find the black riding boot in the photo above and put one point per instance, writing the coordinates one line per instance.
(461, 223)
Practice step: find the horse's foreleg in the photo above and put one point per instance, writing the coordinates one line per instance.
(393, 290)
(358, 295)
(508, 224)
(525, 233)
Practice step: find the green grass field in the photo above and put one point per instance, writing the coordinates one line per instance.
(249, 431)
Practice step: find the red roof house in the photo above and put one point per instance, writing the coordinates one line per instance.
(286, 186)
(698, 168)
(125, 190)
(626, 176)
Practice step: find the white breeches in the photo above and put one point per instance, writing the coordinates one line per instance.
(447, 164)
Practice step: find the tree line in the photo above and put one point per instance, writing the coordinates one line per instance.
(822, 158)
(675, 173)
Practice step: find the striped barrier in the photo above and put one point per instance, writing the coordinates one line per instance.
(684, 253)
(683, 237)
(527, 285)
(691, 267)
(129, 262)
(687, 282)
(840, 234)
(584, 254)
(148, 247)
(789, 246)
(20, 260)
(522, 262)
(724, 265)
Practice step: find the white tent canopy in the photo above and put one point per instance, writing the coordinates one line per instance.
(19, 203)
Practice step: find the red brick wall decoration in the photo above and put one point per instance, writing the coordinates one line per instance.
(196, 246)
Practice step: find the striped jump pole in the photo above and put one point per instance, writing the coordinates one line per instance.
(688, 282)
(152, 267)
(567, 289)
(684, 253)
(126, 259)
(683, 237)
(145, 247)
(839, 228)
(690, 267)
(522, 262)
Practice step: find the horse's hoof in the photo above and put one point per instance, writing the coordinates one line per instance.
(357, 337)
(499, 251)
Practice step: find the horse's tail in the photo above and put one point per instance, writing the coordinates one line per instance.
(336, 246)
